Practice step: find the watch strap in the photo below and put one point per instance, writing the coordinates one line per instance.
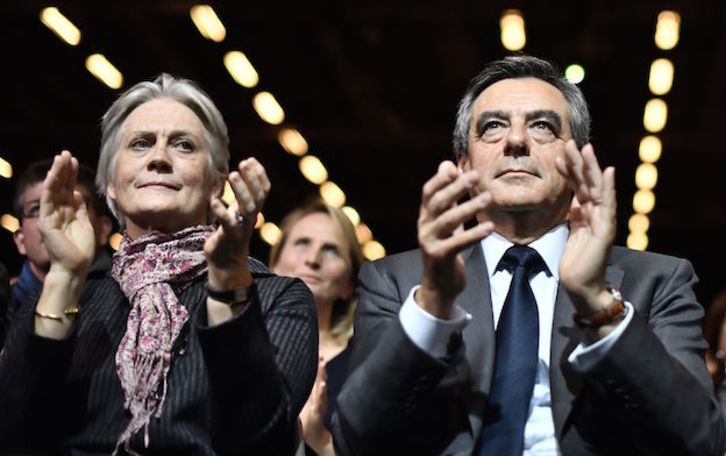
(231, 297)
(611, 314)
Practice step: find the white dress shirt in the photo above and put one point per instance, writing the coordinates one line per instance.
(432, 334)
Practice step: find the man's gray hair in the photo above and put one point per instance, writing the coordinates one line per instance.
(521, 66)
(165, 85)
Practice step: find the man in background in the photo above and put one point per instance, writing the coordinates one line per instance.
(26, 205)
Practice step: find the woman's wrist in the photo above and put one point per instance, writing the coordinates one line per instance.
(225, 279)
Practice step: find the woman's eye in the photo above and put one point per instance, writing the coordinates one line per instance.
(139, 144)
(185, 146)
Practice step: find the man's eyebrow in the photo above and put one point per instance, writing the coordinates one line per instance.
(485, 117)
(547, 114)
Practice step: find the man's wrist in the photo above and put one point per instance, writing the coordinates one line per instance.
(433, 302)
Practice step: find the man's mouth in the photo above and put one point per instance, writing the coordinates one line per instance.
(516, 171)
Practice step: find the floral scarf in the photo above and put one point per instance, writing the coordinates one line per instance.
(151, 270)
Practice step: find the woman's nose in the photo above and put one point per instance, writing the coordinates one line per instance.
(159, 158)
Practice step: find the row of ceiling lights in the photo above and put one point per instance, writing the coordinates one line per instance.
(269, 110)
(513, 37)
(264, 103)
(97, 64)
(660, 81)
(655, 116)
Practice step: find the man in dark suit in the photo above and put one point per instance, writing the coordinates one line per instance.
(597, 349)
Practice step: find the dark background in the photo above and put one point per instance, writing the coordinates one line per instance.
(373, 86)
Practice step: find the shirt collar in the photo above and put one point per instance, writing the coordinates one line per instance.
(549, 246)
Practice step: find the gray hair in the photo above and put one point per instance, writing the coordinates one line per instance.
(521, 66)
(165, 85)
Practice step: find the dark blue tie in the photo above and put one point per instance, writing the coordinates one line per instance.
(515, 365)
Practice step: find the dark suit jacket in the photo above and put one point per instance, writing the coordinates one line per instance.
(236, 388)
(650, 394)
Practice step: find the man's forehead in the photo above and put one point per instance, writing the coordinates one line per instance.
(521, 94)
(32, 192)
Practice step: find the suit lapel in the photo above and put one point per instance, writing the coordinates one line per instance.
(478, 335)
(565, 383)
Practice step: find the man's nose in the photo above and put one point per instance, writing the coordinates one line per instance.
(516, 141)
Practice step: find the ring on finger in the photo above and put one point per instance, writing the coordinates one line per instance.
(239, 217)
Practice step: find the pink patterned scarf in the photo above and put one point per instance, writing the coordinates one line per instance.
(150, 271)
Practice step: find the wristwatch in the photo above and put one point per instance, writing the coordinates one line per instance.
(232, 297)
(614, 312)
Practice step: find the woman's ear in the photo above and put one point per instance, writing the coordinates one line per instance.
(111, 190)
(218, 187)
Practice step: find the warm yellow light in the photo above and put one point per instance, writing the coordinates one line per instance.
(667, 30)
(575, 73)
(104, 71)
(292, 141)
(270, 233)
(363, 233)
(208, 23)
(650, 149)
(260, 220)
(638, 223)
(332, 194)
(646, 176)
(660, 80)
(228, 195)
(352, 215)
(9, 222)
(637, 241)
(6, 169)
(373, 250)
(313, 169)
(655, 115)
(60, 25)
(241, 69)
(512, 35)
(114, 241)
(268, 108)
(643, 201)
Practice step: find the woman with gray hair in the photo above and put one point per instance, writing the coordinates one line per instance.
(189, 345)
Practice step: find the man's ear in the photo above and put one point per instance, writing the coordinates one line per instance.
(19, 238)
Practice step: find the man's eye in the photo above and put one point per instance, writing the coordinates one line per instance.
(32, 212)
(492, 125)
(542, 125)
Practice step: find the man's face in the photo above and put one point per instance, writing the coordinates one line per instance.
(518, 128)
(27, 238)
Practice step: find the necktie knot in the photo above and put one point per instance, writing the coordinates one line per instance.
(522, 255)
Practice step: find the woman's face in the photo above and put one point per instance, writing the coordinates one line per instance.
(317, 253)
(161, 176)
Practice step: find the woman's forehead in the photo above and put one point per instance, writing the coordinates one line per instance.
(163, 115)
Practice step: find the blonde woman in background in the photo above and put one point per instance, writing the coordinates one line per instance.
(319, 245)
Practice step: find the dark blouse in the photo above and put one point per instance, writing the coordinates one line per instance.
(234, 388)
(336, 370)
